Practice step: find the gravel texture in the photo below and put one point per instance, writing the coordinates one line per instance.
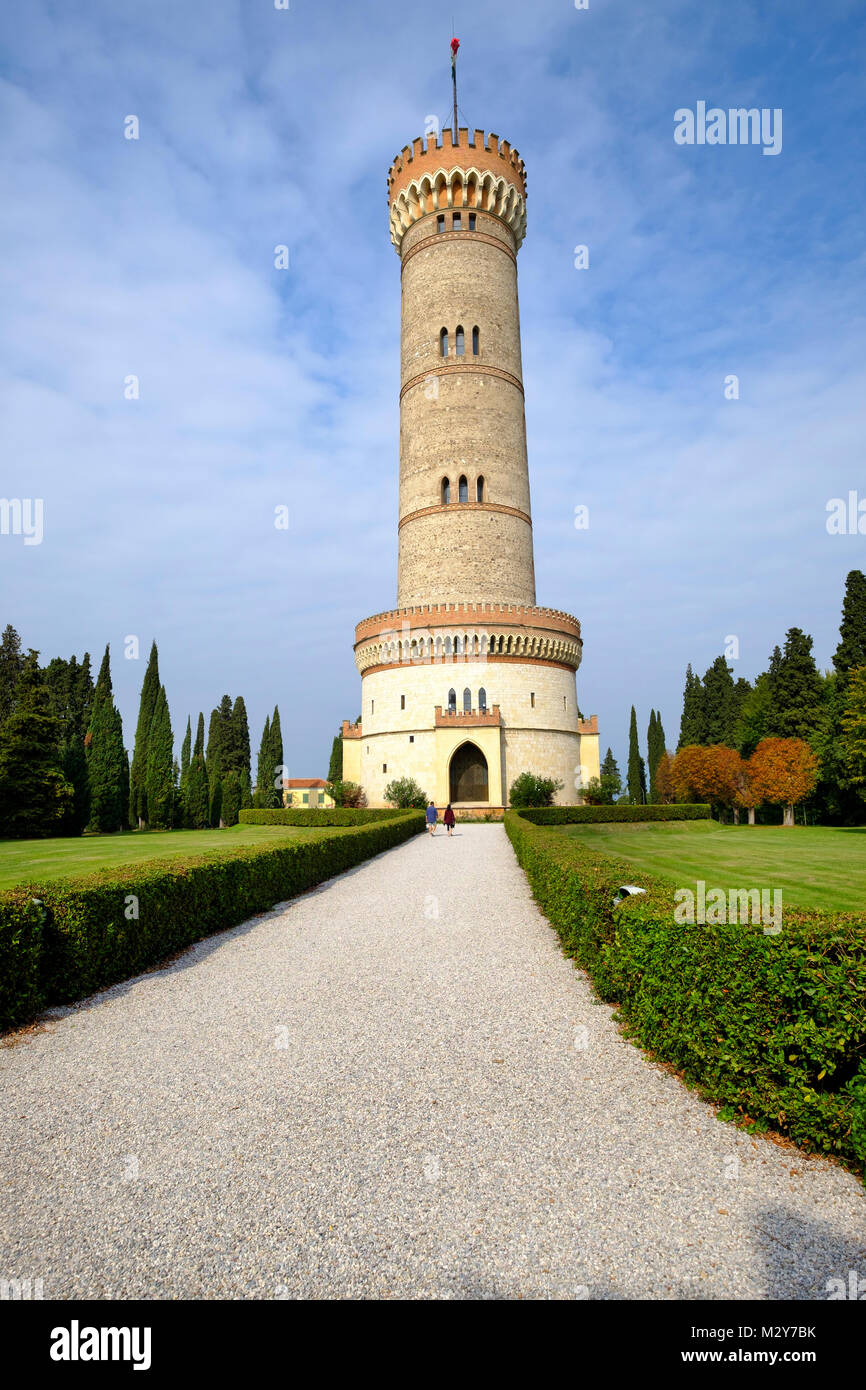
(393, 1086)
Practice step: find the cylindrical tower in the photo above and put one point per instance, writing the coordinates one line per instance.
(466, 683)
(458, 215)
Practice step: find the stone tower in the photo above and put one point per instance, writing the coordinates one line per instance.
(466, 683)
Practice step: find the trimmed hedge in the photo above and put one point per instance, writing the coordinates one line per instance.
(315, 816)
(93, 932)
(577, 815)
(771, 1026)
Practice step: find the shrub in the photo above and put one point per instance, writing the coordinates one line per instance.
(347, 793)
(529, 790)
(405, 793)
(99, 930)
(582, 815)
(316, 816)
(21, 921)
(770, 1026)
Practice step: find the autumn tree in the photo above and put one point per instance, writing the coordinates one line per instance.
(783, 772)
(706, 774)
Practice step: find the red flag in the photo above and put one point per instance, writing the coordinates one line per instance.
(455, 44)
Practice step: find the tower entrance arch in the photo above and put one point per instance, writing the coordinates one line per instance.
(468, 777)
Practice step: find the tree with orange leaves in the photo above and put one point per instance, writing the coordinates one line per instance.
(712, 774)
(783, 771)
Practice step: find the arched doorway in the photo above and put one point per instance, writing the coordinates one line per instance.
(468, 774)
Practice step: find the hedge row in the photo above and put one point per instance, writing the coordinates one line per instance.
(576, 815)
(336, 815)
(64, 940)
(771, 1026)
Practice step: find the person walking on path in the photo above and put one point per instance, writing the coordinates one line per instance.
(448, 818)
(432, 817)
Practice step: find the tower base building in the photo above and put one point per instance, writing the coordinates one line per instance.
(466, 683)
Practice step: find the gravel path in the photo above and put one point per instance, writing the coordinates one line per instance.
(393, 1086)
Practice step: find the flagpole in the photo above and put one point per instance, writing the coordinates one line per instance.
(455, 44)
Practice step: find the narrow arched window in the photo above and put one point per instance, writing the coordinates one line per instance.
(476, 341)
(446, 491)
(463, 491)
(443, 342)
(460, 341)
(452, 701)
(482, 700)
(467, 701)
(479, 489)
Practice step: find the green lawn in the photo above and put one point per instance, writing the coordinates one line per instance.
(815, 866)
(36, 861)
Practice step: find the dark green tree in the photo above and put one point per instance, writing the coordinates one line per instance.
(73, 764)
(232, 793)
(198, 797)
(797, 690)
(11, 666)
(635, 791)
(611, 780)
(277, 765)
(138, 772)
(35, 797)
(719, 704)
(693, 722)
(219, 754)
(159, 774)
(241, 752)
(182, 809)
(655, 745)
(106, 756)
(851, 650)
(335, 766)
(263, 766)
(753, 718)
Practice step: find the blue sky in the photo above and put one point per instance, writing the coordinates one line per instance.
(261, 387)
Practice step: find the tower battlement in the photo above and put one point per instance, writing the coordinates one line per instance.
(482, 173)
(486, 151)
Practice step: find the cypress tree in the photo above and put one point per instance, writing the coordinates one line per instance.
(106, 756)
(35, 797)
(138, 774)
(797, 690)
(232, 794)
(241, 753)
(634, 762)
(219, 754)
(655, 750)
(693, 722)
(263, 779)
(73, 764)
(11, 666)
(277, 768)
(719, 704)
(335, 766)
(198, 798)
(851, 650)
(159, 773)
(182, 815)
